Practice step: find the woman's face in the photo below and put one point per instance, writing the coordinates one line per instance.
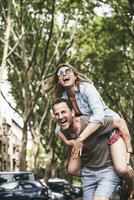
(66, 77)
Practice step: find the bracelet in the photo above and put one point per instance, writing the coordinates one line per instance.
(80, 139)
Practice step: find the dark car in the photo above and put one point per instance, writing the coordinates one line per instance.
(69, 191)
(52, 194)
(78, 190)
(23, 190)
(59, 188)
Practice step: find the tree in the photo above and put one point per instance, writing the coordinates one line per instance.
(6, 41)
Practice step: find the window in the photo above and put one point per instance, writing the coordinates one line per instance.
(4, 148)
(5, 165)
(27, 186)
(9, 186)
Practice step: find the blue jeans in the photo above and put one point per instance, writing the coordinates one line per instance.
(100, 183)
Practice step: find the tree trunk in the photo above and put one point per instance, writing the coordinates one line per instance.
(50, 150)
(37, 152)
(23, 152)
(48, 163)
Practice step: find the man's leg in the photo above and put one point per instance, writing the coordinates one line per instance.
(107, 183)
(100, 184)
(89, 184)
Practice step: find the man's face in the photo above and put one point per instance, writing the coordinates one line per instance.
(63, 115)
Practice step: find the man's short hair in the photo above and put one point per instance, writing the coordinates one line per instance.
(63, 101)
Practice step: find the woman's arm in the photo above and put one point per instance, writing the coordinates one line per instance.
(95, 103)
(65, 140)
(90, 128)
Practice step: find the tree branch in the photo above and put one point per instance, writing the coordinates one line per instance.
(49, 39)
(10, 104)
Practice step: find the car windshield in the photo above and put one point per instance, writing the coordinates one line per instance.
(10, 177)
(9, 186)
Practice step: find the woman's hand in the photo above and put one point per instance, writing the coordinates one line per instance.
(77, 148)
(70, 142)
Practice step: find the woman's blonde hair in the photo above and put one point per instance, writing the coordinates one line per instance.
(50, 83)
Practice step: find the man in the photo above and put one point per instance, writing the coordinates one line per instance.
(99, 176)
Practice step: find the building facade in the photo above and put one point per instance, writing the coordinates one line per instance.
(10, 141)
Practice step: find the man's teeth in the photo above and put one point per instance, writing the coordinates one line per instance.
(63, 121)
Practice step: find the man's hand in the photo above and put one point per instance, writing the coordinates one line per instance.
(77, 149)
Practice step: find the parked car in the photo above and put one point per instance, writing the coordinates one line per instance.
(62, 186)
(6, 177)
(121, 192)
(54, 195)
(78, 191)
(23, 189)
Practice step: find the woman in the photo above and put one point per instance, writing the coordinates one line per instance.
(68, 83)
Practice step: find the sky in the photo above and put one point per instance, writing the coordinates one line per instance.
(5, 110)
(103, 10)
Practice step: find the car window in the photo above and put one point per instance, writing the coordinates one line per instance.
(27, 186)
(10, 177)
(5, 178)
(56, 187)
(21, 177)
(9, 186)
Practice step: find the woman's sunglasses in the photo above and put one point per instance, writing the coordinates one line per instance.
(63, 73)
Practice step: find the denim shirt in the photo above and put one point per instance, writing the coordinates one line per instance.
(90, 103)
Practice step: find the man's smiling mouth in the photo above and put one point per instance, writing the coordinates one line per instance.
(63, 121)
